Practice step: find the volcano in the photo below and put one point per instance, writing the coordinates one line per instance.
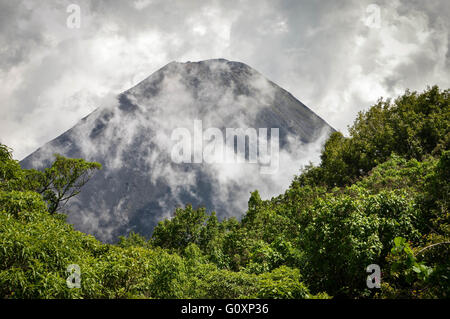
(133, 138)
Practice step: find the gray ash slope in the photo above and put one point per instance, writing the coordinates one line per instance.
(140, 184)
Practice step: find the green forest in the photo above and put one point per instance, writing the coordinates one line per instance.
(379, 196)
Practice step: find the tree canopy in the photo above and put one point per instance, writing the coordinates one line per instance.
(379, 196)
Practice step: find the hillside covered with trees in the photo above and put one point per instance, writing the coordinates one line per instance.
(379, 196)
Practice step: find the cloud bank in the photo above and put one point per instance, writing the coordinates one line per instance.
(323, 52)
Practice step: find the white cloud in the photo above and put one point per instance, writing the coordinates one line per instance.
(322, 52)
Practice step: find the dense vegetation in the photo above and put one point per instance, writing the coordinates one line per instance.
(379, 196)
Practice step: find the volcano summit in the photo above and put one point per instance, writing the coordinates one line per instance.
(140, 183)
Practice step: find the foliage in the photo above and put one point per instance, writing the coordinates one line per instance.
(379, 196)
(413, 126)
(62, 181)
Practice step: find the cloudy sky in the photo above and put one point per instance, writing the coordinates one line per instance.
(337, 57)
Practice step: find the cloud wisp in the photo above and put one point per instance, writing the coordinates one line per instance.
(133, 138)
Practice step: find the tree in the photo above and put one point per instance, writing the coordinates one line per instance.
(62, 181)
(184, 228)
(11, 175)
(412, 126)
